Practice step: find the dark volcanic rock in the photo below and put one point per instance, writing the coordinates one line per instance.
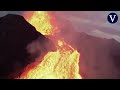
(99, 57)
(16, 34)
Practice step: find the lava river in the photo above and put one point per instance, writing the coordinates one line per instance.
(61, 64)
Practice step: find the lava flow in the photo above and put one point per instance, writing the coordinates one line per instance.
(61, 64)
(42, 21)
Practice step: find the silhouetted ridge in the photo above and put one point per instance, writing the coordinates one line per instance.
(15, 35)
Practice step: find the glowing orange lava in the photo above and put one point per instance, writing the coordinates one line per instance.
(42, 21)
(61, 64)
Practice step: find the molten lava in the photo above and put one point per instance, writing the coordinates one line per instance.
(61, 64)
(42, 21)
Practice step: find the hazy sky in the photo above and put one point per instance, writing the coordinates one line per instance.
(88, 17)
(87, 21)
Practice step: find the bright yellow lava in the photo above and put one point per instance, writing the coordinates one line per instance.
(60, 43)
(61, 64)
(41, 21)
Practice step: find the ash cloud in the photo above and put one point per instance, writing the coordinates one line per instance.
(40, 47)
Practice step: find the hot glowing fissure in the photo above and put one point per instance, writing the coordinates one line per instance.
(61, 64)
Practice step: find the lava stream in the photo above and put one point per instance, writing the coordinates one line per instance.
(61, 64)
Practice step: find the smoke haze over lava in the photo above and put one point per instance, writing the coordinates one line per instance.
(95, 40)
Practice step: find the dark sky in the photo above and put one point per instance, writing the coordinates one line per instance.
(2, 13)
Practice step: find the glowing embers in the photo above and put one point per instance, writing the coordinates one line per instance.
(42, 21)
(62, 64)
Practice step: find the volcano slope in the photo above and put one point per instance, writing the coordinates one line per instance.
(99, 57)
(18, 41)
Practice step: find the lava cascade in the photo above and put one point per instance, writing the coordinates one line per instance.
(61, 64)
(42, 21)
